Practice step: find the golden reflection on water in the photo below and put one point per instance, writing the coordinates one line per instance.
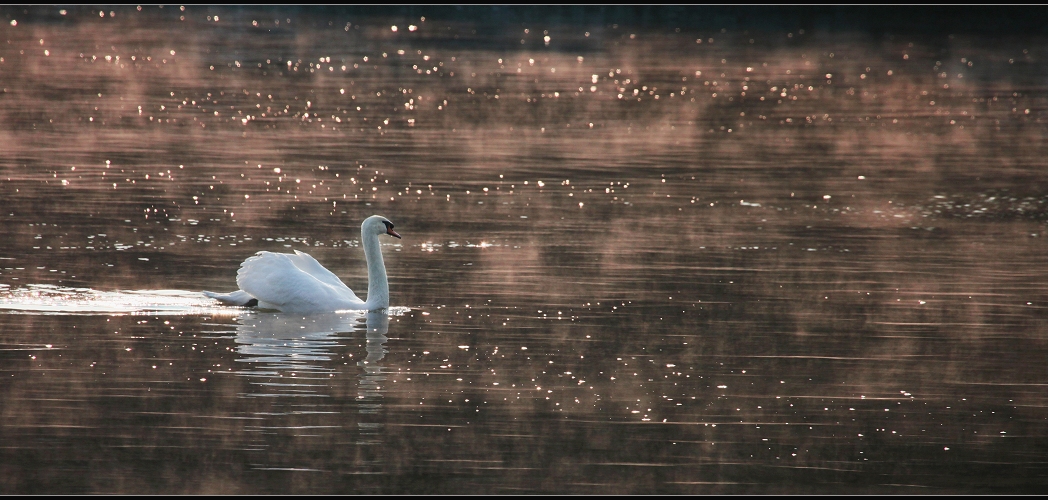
(633, 260)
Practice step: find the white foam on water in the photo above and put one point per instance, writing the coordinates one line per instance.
(51, 299)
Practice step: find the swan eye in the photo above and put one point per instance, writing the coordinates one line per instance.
(389, 225)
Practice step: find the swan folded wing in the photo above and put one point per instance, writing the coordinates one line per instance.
(278, 279)
(309, 265)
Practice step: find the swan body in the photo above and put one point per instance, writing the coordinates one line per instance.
(297, 283)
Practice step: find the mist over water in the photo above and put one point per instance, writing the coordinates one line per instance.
(634, 259)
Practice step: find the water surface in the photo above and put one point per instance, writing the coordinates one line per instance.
(634, 260)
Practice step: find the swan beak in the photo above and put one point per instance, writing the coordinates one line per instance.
(392, 233)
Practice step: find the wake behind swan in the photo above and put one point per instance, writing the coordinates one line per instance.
(51, 299)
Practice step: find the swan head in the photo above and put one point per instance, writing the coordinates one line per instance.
(376, 224)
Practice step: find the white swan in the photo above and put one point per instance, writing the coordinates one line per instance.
(297, 283)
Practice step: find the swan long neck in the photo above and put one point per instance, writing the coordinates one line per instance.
(378, 284)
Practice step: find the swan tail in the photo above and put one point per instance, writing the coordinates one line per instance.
(237, 298)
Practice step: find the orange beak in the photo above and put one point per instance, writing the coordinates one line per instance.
(392, 233)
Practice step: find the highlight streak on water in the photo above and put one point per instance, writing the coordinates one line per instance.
(51, 299)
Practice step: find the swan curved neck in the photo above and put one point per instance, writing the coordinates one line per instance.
(378, 285)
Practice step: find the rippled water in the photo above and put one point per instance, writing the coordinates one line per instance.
(634, 260)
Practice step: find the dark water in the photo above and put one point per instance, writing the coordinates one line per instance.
(769, 262)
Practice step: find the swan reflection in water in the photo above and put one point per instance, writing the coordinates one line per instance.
(372, 378)
(295, 356)
(302, 347)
